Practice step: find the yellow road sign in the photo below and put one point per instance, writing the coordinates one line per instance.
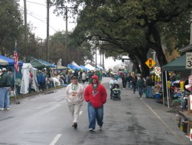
(150, 63)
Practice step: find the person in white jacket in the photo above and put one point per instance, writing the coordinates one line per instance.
(74, 98)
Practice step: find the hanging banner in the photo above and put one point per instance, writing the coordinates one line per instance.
(157, 70)
(190, 135)
(190, 80)
(190, 97)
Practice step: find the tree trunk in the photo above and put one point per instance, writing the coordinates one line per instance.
(135, 63)
(158, 47)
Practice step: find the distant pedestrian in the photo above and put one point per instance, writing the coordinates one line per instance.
(129, 80)
(74, 98)
(134, 83)
(95, 94)
(140, 86)
(5, 84)
(124, 81)
(149, 84)
(112, 82)
(83, 77)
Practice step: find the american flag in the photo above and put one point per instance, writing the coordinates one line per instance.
(16, 63)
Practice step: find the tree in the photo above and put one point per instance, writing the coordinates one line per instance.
(11, 26)
(70, 52)
(133, 26)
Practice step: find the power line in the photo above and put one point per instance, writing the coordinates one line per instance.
(42, 21)
(36, 3)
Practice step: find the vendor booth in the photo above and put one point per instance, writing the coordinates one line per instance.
(179, 64)
(38, 64)
(175, 65)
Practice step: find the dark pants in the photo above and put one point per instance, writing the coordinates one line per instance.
(124, 83)
(41, 86)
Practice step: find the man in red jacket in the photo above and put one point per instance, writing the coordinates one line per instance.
(95, 94)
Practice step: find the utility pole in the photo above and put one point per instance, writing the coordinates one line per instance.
(47, 42)
(103, 60)
(26, 31)
(96, 57)
(191, 28)
(66, 32)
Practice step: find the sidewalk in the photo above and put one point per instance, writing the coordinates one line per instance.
(170, 117)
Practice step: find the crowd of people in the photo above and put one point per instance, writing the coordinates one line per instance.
(94, 93)
(135, 82)
(46, 79)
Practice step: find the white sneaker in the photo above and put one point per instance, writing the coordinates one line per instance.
(91, 129)
(1, 109)
(100, 127)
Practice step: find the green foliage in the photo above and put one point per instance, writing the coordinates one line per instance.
(69, 51)
(11, 26)
(134, 26)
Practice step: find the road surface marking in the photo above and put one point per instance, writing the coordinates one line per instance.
(163, 122)
(55, 139)
(80, 112)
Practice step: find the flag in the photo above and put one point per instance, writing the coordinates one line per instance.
(16, 63)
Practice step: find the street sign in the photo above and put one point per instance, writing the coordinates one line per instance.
(150, 62)
(188, 64)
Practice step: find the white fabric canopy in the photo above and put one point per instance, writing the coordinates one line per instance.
(26, 68)
(90, 67)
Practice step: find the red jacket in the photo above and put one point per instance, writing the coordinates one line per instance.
(97, 97)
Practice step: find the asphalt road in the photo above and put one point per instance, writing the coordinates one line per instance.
(45, 120)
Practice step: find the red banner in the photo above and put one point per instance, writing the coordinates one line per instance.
(16, 63)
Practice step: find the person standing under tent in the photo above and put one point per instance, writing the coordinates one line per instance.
(41, 80)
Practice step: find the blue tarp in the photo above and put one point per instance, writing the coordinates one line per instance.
(84, 68)
(7, 61)
(74, 67)
(51, 65)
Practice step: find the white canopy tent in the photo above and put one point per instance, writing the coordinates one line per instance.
(90, 67)
(26, 68)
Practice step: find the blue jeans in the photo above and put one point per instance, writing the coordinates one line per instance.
(4, 97)
(149, 92)
(140, 90)
(95, 114)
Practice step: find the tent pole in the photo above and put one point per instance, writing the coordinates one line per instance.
(15, 91)
(163, 89)
(167, 89)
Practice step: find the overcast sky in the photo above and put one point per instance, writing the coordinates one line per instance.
(37, 17)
